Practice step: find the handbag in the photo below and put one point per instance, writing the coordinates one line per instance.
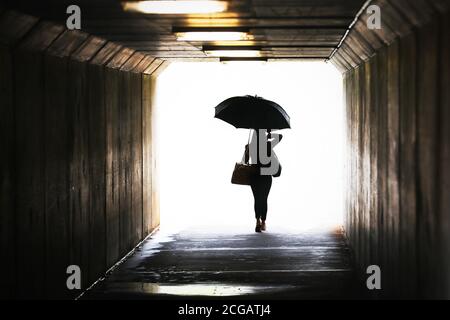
(243, 173)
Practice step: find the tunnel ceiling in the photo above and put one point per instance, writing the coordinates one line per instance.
(280, 29)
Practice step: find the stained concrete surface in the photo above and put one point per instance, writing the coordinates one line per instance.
(233, 264)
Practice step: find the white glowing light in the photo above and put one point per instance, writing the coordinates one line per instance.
(212, 36)
(234, 53)
(176, 7)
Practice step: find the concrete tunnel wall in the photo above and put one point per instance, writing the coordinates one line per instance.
(398, 133)
(77, 160)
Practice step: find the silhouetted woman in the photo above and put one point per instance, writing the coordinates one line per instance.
(260, 152)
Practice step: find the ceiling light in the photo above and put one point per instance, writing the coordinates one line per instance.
(176, 7)
(212, 36)
(234, 53)
(236, 59)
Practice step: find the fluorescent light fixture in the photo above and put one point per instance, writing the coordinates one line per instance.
(234, 53)
(176, 7)
(212, 36)
(244, 59)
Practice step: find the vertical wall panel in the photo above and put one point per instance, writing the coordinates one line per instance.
(147, 153)
(407, 227)
(97, 161)
(445, 150)
(374, 146)
(349, 134)
(365, 161)
(355, 139)
(136, 156)
(360, 168)
(353, 163)
(348, 116)
(345, 79)
(428, 148)
(382, 165)
(7, 170)
(30, 177)
(154, 170)
(393, 198)
(56, 173)
(78, 142)
(124, 164)
(112, 165)
(349, 108)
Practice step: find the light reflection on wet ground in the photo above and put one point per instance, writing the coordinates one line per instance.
(205, 290)
(234, 263)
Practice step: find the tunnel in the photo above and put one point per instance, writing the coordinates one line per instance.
(79, 171)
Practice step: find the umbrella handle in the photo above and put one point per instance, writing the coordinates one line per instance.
(246, 158)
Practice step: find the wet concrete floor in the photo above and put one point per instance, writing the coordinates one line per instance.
(233, 264)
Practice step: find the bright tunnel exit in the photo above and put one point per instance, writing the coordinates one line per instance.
(197, 153)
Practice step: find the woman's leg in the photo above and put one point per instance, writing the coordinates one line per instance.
(266, 184)
(256, 190)
(261, 188)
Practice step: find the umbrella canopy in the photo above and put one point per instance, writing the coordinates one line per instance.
(250, 112)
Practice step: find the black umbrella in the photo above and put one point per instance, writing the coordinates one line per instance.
(251, 112)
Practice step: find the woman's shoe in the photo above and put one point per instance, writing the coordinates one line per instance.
(263, 226)
(258, 226)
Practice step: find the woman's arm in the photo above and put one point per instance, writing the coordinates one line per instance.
(276, 138)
